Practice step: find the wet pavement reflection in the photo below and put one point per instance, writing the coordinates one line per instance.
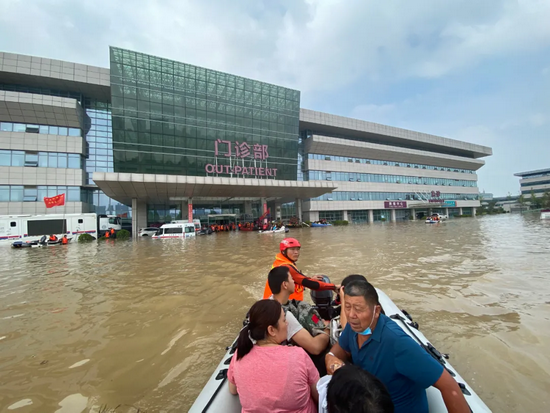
(143, 324)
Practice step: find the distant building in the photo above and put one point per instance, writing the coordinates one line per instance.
(537, 182)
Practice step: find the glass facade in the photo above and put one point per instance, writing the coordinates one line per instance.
(358, 216)
(392, 179)
(331, 215)
(41, 129)
(385, 163)
(41, 159)
(383, 196)
(178, 119)
(20, 193)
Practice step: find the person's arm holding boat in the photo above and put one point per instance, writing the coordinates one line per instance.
(451, 393)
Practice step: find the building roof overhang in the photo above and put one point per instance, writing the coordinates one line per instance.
(151, 188)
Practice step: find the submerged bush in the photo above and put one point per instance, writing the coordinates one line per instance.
(339, 222)
(85, 238)
(123, 234)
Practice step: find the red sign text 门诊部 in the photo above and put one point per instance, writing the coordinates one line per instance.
(243, 151)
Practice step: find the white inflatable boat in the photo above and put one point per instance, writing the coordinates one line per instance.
(274, 231)
(215, 396)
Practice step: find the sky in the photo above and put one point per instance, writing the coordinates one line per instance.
(477, 71)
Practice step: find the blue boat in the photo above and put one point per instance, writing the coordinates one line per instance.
(315, 224)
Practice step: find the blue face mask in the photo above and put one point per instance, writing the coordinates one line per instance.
(368, 331)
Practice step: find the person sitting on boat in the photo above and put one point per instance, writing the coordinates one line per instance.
(305, 326)
(64, 240)
(377, 344)
(53, 238)
(266, 376)
(353, 390)
(341, 299)
(289, 254)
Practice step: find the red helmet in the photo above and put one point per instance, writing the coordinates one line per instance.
(289, 243)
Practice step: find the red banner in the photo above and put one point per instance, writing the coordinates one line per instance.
(190, 212)
(58, 200)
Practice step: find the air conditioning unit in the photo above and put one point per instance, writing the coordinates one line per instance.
(359, 199)
(329, 178)
(358, 179)
(352, 199)
(329, 199)
(351, 179)
(327, 158)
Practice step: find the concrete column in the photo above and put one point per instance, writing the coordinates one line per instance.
(430, 211)
(139, 216)
(371, 216)
(447, 211)
(190, 209)
(248, 207)
(298, 205)
(183, 208)
(474, 211)
(345, 215)
(413, 212)
(460, 210)
(263, 209)
(393, 216)
(313, 216)
(277, 211)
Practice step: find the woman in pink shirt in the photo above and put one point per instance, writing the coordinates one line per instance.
(269, 377)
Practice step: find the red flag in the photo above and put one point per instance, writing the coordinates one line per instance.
(58, 200)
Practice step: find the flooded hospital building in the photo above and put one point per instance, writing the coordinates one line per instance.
(152, 139)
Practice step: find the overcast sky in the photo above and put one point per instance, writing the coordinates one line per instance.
(477, 71)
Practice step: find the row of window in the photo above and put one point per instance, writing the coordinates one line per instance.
(41, 159)
(393, 179)
(42, 129)
(386, 196)
(535, 191)
(386, 163)
(536, 183)
(19, 193)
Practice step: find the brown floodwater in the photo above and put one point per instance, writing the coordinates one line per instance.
(142, 325)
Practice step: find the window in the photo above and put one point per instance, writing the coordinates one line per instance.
(31, 159)
(13, 224)
(189, 230)
(32, 129)
(177, 230)
(6, 126)
(80, 221)
(19, 127)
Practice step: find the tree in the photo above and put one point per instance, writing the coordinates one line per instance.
(509, 196)
(545, 203)
(534, 200)
(521, 201)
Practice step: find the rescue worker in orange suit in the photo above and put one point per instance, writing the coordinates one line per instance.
(290, 251)
(107, 234)
(53, 238)
(113, 233)
(64, 240)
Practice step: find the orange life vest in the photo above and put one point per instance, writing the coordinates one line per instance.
(107, 234)
(298, 293)
(64, 240)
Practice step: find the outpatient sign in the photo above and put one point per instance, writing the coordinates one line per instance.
(244, 151)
